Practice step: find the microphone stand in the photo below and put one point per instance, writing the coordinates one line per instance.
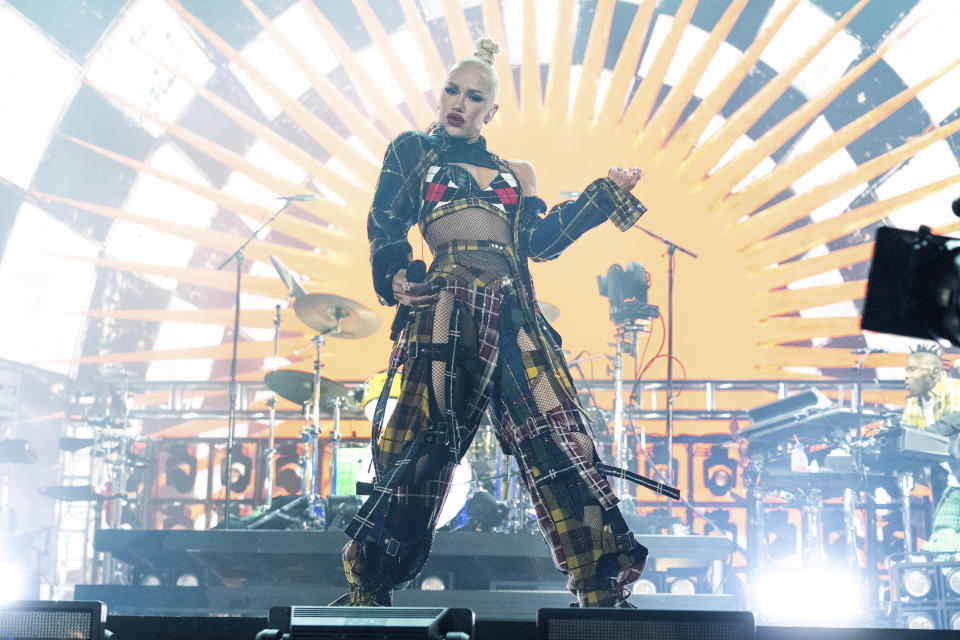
(232, 408)
(671, 264)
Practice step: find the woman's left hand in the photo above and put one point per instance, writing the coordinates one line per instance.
(626, 179)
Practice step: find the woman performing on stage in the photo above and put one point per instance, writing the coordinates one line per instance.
(476, 341)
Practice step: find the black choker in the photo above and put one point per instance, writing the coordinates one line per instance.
(460, 150)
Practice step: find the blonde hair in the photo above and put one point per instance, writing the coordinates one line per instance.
(483, 58)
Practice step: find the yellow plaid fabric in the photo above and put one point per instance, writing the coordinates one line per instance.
(463, 356)
(945, 396)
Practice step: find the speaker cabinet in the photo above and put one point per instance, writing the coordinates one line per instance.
(53, 620)
(630, 624)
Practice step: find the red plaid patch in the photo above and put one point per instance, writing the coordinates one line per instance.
(435, 192)
(507, 195)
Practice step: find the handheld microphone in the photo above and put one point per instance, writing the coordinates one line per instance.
(416, 272)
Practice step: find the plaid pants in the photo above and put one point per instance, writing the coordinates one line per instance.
(472, 351)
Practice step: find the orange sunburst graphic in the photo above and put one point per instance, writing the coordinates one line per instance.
(737, 314)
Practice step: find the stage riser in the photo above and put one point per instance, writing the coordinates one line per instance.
(208, 628)
(465, 560)
(257, 600)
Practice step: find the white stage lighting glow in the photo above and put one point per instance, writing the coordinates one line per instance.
(920, 620)
(187, 580)
(150, 580)
(953, 581)
(809, 597)
(644, 587)
(917, 583)
(432, 583)
(955, 621)
(11, 587)
(683, 586)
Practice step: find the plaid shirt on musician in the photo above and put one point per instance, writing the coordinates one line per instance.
(945, 526)
(945, 396)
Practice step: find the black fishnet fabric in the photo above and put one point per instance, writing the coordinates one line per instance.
(473, 224)
(442, 316)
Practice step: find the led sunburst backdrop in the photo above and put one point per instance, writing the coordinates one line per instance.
(774, 137)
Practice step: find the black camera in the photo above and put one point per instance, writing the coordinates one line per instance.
(914, 285)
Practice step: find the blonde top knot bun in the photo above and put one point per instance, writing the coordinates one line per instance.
(487, 49)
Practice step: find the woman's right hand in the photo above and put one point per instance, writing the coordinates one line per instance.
(418, 295)
(626, 179)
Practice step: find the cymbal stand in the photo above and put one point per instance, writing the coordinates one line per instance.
(517, 499)
(272, 404)
(335, 445)
(232, 408)
(315, 508)
(622, 455)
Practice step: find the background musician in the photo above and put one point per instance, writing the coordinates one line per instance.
(933, 403)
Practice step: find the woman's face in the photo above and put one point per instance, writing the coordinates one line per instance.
(466, 102)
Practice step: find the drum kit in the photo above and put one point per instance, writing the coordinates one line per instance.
(332, 316)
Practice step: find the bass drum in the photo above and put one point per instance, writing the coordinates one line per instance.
(355, 463)
(371, 392)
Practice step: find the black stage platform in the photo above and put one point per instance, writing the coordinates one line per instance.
(246, 628)
(504, 578)
(500, 576)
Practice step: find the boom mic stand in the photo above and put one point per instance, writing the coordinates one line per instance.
(232, 408)
(671, 263)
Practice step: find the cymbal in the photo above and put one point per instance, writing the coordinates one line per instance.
(293, 286)
(335, 316)
(549, 311)
(297, 386)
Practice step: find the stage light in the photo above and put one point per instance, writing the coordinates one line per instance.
(920, 620)
(916, 582)
(181, 468)
(241, 470)
(150, 580)
(955, 621)
(683, 586)
(644, 587)
(432, 583)
(289, 476)
(953, 580)
(810, 598)
(187, 580)
(626, 289)
(11, 586)
(719, 471)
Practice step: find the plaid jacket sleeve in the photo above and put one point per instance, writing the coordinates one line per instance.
(546, 237)
(393, 212)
